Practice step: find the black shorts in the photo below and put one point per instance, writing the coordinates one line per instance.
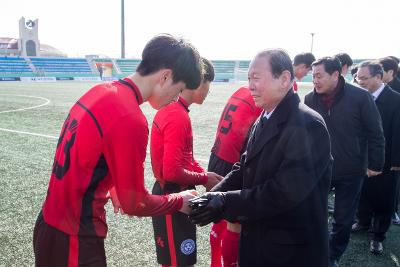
(218, 165)
(174, 235)
(53, 247)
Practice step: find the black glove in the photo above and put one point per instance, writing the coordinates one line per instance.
(210, 208)
(197, 203)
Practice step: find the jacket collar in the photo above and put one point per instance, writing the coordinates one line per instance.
(271, 127)
(382, 96)
(341, 90)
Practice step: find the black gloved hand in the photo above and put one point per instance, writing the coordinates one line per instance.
(197, 203)
(211, 208)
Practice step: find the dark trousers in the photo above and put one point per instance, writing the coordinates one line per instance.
(377, 203)
(54, 248)
(397, 198)
(347, 194)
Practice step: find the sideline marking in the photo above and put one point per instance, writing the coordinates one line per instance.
(21, 109)
(56, 137)
(28, 133)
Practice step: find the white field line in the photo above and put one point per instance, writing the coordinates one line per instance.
(202, 160)
(44, 135)
(22, 109)
(26, 108)
(28, 133)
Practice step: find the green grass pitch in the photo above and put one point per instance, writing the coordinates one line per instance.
(27, 143)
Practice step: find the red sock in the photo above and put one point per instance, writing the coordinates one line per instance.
(230, 248)
(216, 234)
(164, 265)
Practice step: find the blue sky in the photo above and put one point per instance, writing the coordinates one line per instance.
(220, 29)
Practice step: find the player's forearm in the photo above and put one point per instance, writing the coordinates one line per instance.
(153, 205)
(185, 177)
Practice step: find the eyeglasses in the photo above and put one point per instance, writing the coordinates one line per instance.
(361, 79)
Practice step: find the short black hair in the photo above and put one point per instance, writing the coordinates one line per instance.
(395, 59)
(388, 63)
(331, 64)
(354, 70)
(208, 70)
(373, 66)
(279, 61)
(169, 52)
(304, 58)
(344, 59)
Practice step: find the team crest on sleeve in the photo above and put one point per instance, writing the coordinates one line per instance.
(188, 246)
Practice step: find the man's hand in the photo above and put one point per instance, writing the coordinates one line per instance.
(213, 179)
(394, 168)
(212, 211)
(371, 173)
(115, 201)
(187, 195)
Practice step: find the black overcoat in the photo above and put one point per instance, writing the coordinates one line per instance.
(280, 190)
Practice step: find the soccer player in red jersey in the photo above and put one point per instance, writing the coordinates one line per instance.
(102, 145)
(301, 67)
(174, 166)
(238, 116)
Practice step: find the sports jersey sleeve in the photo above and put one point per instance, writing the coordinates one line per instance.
(197, 167)
(174, 170)
(125, 152)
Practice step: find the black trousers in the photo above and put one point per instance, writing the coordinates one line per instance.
(397, 198)
(377, 203)
(347, 194)
(218, 165)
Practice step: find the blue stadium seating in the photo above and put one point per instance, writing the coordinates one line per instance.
(224, 70)
(128, 66)
(61, 65)
(14, 65)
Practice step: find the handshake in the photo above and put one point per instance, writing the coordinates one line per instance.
(208, 208)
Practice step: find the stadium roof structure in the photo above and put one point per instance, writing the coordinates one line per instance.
(8, 44)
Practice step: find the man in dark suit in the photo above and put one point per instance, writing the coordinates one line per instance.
(356, 133)
(390, 68)
(378, 193)
(279, 189)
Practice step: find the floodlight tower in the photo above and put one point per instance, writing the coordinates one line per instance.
(312, 41)
(122, 29)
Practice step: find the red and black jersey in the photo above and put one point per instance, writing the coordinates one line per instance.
(102, 144)
(171, 147)
(238, 116)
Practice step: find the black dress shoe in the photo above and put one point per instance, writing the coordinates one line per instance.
(356, 227)
(376, 247)
(334, 264)
(396, 219)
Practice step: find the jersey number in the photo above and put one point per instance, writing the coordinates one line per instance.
(69, 129)
(226, 116)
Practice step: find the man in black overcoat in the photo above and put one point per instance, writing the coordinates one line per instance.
(279, 189)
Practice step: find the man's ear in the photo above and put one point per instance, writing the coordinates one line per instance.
(165, 75)
(286, 78)
(336, 74)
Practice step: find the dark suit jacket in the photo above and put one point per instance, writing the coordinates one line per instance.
(395, 84)
(355, 129)
(388, 103)
(282, 184)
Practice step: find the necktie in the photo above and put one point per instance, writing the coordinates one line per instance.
(259, 127)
